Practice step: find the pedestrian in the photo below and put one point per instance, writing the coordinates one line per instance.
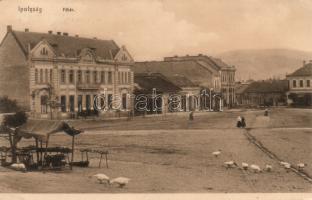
(239, 122)
(266, 112)
(243, 125)
(191, 116)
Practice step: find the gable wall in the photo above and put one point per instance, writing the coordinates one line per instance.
(14, 72)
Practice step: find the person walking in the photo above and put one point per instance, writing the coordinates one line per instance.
(243, 124)
(191, 116)
(266, 112)
(239, 122)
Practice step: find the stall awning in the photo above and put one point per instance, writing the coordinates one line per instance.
(42, 130)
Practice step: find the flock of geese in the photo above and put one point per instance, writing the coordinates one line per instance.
(256, 168)
(120, 181)
(123, 181)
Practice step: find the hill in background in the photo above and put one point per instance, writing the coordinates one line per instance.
(265, 63)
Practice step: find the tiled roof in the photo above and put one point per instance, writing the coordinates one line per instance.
(215, 63)
(190, 69)
(267, 86)
(220, 63)
(68, 45)
(239, 89)
(306, 70)
(147, 82)
(181, 81)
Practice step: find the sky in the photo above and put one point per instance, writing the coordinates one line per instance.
(153, 29)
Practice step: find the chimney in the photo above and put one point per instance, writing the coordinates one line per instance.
(9, 28)
(66, 34)
(50, 32)
(59, 33)
(304, 62)
(26, 30)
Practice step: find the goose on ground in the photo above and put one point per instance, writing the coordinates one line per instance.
(268, 168)
(121, 181)
(255, 168)
(102, 178)
(301, 166)
(245, 165)
(230, 164)
(19, 166)
(216, 153)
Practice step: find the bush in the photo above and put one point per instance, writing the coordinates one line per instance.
(7, 105)
(16, 120)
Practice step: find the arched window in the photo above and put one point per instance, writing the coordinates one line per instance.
(44, 104)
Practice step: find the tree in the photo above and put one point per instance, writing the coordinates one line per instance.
(7, 105)
(14, 121)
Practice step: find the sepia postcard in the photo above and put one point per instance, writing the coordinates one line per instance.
(156, 99)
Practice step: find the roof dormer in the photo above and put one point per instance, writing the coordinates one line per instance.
(123, 55)
(42, 50)
(87, 55)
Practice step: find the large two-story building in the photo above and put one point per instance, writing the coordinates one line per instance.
(54, 75)
(300, 86)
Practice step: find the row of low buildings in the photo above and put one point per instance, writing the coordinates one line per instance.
(55, 75)
(295, 90)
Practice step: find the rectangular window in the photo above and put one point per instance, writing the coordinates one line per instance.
(63, 103)
(87, 77)
(301, 83)
(88, 102)
(63, 76)
(71, 76)
(95, 77)
(51, 75)
(110, 101)
(129, 77)
(119, 77)
(36, 75)
(308, 83)
(46, 75)
(294, 83)
(102, 77)
(79, 102)
(124, 101)
(72, 103)
(79, 76)
(41, 75)
(110, 77)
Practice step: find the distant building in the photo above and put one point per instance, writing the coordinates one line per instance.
(190, 92)
(57, 75)
(152, 92)
(223, 75)
(262, 93)
(210, 74)
(300, 88)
